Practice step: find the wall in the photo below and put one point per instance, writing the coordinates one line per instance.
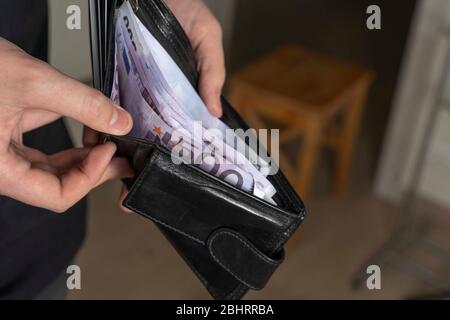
(69, 49)
(435, 182)
(421, 91)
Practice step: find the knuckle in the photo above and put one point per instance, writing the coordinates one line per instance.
(59, 207)
(59, 210)
(23, 73)
(95, 106)
(216, 27)
(62, 205)
(32, 73)
(210, 27)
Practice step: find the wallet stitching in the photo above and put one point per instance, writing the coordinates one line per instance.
(279, 235)
(287, 193)
(227, 267)
(292, 225)
(234, 275)
(288, 231)
(254, 250)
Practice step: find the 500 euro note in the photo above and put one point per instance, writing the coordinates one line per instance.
(161, 108)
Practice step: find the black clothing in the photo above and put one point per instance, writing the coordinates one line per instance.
(35, 244)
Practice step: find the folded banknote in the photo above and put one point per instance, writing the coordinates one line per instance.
(167, 110)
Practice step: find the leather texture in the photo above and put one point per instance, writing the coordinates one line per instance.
(232, 240)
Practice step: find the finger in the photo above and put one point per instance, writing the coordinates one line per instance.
(35, 118)
(62, 161)
(123, 195)
(119, 168)
(41, 188)
(90, 137)
(210, 88)
(210, 59)
(56, 92)
(57, 163)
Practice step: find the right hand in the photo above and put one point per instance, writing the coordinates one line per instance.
(32, 94)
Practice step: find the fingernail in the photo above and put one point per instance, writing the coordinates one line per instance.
(121, 121)
(219, 112)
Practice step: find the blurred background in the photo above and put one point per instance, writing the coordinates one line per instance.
(364, 118)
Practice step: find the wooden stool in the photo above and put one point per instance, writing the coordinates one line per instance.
(311, 95)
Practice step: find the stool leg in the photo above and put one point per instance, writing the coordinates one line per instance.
(307, 157)
(349, 132)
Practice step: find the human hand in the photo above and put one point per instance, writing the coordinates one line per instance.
(205, 34)
(32, 94)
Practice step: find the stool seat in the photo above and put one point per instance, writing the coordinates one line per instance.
(311, 95)
(314, 80)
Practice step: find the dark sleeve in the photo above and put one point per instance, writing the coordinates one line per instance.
(24, 22)
(35, 245)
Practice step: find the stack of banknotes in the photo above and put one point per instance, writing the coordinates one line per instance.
(168, 111)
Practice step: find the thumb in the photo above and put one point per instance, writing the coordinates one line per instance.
(53, 91)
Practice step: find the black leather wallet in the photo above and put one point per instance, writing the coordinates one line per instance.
(232, 240)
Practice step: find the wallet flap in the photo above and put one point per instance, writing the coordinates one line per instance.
(191, 202)
(229, 249)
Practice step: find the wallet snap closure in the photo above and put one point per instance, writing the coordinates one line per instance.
(242, 259)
